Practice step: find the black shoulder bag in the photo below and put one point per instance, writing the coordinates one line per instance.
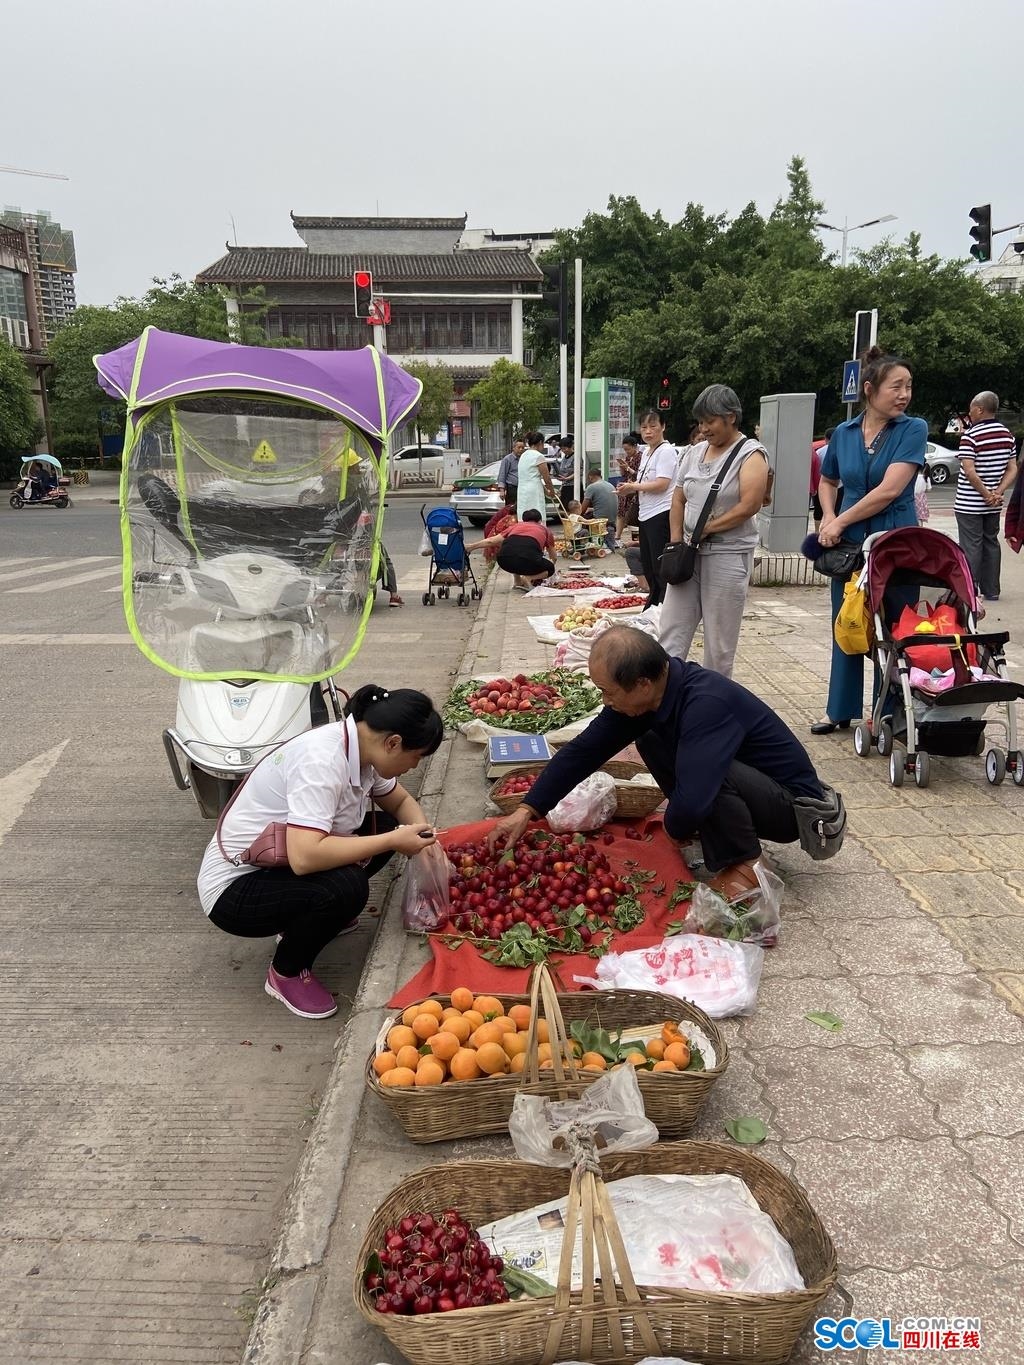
(678, 560)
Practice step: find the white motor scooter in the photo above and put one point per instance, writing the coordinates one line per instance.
(250, 519)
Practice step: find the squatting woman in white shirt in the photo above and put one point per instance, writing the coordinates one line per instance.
(322, 785)
(656, 470)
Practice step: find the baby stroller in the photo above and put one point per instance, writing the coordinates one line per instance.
(449, 560)
(939, 709)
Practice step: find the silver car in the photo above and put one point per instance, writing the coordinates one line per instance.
(941, 464)
(477, 496)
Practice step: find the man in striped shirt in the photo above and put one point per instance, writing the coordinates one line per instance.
(988, 468)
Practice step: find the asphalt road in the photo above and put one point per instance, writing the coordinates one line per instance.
(153, 1101)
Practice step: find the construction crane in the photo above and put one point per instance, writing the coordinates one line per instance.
(20, 170)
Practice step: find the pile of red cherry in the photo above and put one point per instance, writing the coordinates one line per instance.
(620, 603)
(434, 1265)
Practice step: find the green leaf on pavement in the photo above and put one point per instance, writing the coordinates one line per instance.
(825, 1020)
(747, 1131)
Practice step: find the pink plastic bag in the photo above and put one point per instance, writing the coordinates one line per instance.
(425, 899)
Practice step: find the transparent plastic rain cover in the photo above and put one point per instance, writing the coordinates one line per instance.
(250, 529)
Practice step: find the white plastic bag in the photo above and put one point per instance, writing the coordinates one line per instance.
(698, 1232)
(588, 806)
(717, 976)
(753, 919)
(612, 1109)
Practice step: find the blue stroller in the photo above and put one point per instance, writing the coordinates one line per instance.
(449, 559)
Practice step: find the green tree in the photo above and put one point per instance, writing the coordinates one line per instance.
(438, 391)
(508, 395)
(20, 427)
(81, 412)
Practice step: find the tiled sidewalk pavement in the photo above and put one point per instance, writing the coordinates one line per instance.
(904, 1127)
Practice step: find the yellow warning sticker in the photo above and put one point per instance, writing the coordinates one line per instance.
(264, 454)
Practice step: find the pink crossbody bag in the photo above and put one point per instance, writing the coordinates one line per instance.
(270, 847)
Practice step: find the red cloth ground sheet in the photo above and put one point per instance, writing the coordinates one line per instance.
(463, 966)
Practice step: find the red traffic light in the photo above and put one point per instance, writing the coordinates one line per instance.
(664, 403)
(362, 292)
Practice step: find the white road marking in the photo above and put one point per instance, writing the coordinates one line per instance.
(52, 566)
(52, 583)
(18, 787)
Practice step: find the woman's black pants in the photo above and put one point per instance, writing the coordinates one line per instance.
(653, 539)
(306, 911)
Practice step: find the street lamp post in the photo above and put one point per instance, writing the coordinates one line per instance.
(846, 229)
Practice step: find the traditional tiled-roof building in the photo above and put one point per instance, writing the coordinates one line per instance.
(459, 307)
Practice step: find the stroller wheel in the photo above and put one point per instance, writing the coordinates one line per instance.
(979, 748)
(1015, 762)
(433, 599)
(862, 741)
(476, 593)
(426, 599)
(923, 769)
(463, 599)
(995, 767)
(884, 742)
(897, 772)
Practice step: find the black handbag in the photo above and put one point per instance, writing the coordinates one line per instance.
(678, 560)
(840, 560)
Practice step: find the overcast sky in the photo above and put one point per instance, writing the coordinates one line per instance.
(169, 118)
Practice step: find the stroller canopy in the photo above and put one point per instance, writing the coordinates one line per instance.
(917, 554)
(362, 387)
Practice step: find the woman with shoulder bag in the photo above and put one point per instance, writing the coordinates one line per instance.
(717, 591)
(876, 457)
(653, 482)
(319, 788)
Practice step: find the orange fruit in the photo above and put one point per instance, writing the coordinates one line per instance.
(399, 1075)
(425, 1026)
(443, 1046)
(593, 1061)
(547, 1065)
(433, 1007)
(670, 1031)
(450, 1013)
(408, 1056)
(636, 1058)
(664, 1065)
(384, 1061)
(506, 1024)
(400, 1036)
(429, 1072)
(409, 1014)
(491, 1058)
(475, 1018)
(543, 1036)
(544, 1051)
(463, 1065)
(487, 1033)
(458, 1026)
(517, 1063)
(520, 1016)
(656, 1049)
(514, 1044)
(679, 1053)
(487, 1005)
(462, 998)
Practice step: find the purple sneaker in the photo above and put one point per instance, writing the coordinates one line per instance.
(303, 994)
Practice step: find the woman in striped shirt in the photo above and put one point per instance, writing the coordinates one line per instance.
(988, 468)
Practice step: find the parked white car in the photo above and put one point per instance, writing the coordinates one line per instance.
(942, 464)
(426, 461)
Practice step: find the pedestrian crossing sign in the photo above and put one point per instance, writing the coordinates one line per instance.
(264, 454)
(851, 381)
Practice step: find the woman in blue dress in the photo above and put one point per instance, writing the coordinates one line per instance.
(876, 458)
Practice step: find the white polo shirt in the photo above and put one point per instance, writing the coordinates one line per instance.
(659, 463)
(307, 782)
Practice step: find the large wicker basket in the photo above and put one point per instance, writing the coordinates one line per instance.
(459, 1109)
(507, 804)
(633, 800)
(607, 1326)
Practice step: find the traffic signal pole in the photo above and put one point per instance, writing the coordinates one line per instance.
(577, 382)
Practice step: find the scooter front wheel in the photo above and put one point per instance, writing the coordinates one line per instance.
(17, 501)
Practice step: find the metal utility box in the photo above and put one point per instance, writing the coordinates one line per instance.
(454, 466)
(787, 430)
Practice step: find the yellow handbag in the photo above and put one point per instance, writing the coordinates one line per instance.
(853, 622)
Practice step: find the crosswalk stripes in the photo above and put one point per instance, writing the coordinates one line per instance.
(53, 574)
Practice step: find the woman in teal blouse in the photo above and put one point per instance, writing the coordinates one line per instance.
(876, 458)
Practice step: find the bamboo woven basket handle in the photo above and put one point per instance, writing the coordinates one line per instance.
(590, 1206)
(542, 993)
